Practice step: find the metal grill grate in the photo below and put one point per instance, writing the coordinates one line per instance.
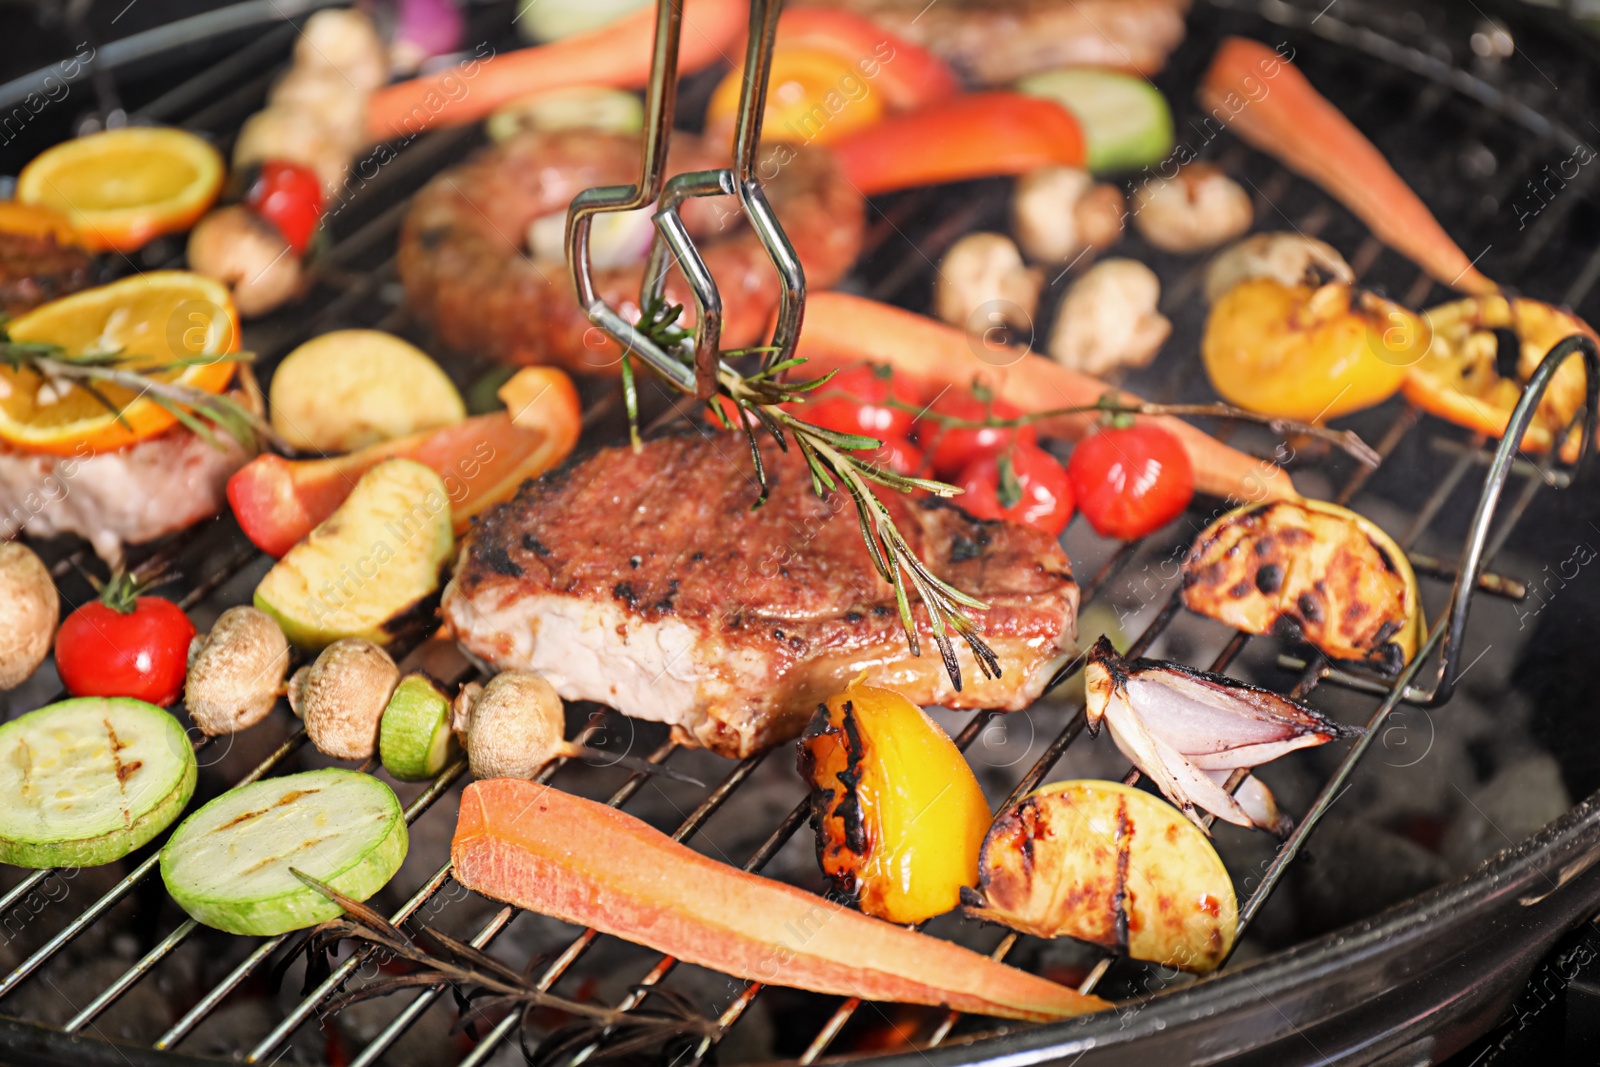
(357, 285)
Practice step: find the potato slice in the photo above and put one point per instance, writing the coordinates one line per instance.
(352, 388)
(1109, 864)
(369, 565)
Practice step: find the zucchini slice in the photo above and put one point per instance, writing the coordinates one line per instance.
(87, 781)
(230, 865)
(414, 737)
(1126, 121)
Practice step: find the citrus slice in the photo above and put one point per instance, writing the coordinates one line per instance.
(37, 220)
(121, 188)
(149, 320)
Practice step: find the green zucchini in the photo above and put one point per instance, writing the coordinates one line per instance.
(87, 781)
(1126, 121)
(231, 864)
(414, 737)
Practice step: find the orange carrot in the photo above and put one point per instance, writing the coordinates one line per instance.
(1267, 101)
(974, 135)
(843, 327)
(617, 54)
(584, 863)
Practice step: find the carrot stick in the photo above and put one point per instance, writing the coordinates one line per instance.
(839, 326)
(617, 54)
(1274, 108)
(974, 135)
(585, 863)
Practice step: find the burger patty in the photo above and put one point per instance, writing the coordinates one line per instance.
(647, 582)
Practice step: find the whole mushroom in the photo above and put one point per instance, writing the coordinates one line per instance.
(984, 272)
(1199, 208)
(1057, 212)
(249, 255)
(514, 725)
(1108, 318)
(29, 611)
(341, 697)
(294, 135)
(345, 40)
(1289, 258)
(235, 671)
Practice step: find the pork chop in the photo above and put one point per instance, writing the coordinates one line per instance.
(646, 581)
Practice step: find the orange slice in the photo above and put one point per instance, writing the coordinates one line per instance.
(121, 188)
(149, 319)
(37, 220)
(1458, 378)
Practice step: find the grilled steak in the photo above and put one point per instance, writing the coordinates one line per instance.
(35, 269)
(646, 581)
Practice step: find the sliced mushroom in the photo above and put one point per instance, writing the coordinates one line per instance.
(29, 610)
(1289, 258)
(244, 251)
(1199, 208)
(341, 697)
(235, 671)
(983, 278)
(1057, 212)
(1108, 319)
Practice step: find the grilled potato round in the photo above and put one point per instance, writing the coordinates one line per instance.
(1311, 570)
(1112, 865)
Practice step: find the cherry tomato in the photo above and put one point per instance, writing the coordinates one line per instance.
(954, 449)
(856, 400)
(125, 645)
(289, 196)
(900, 456)
(1131, 481)
(1044, 493)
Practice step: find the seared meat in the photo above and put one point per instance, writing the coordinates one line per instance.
(35, 269)
(646, 582)
(129, 496)
(995, 42)
(1312, 570)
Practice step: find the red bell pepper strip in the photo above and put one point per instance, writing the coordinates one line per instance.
(976, 135)
(1267, 102)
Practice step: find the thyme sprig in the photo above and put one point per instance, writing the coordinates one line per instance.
(194, 408)
(756, 400)
(670, 1030)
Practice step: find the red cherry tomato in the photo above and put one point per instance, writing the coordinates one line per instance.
(856, 400)
(140, 652)
(1044, 491)
(955, 448)
(900, 456)
(1130, 482)
(289, 196)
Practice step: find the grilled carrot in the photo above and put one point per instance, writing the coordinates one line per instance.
(1267, 101)
(548, 851)
(974, 135)
(617, 55)
(843, 327)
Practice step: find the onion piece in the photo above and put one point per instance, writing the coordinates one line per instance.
(616, 238)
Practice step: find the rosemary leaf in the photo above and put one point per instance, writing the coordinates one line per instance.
(630, 400)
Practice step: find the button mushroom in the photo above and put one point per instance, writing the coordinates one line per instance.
(983, 273)
(294, 135)
(1108, 319)
(29, 610)
(235, 246)
(235, 671)
(1289, 258)
(345, 40)
(1057, 212)
(342, 695)
(1199, 208)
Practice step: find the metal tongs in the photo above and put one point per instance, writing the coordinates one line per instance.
(699, 378)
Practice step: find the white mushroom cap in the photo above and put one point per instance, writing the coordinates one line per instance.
(342, 695)
(345, 40)
(29, 610)
(982, 279)
(1199, 208)
(1057, 212)
(248, 254)
(1290, 258)
(235, 671)
(515, 726)
(1109, 318)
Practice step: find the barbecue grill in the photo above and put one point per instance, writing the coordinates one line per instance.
(98, 967)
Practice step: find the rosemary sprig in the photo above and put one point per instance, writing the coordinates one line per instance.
(756, 399)
(674, 1033)
(195, 409)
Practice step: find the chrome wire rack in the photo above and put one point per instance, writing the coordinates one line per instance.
(356, 285)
